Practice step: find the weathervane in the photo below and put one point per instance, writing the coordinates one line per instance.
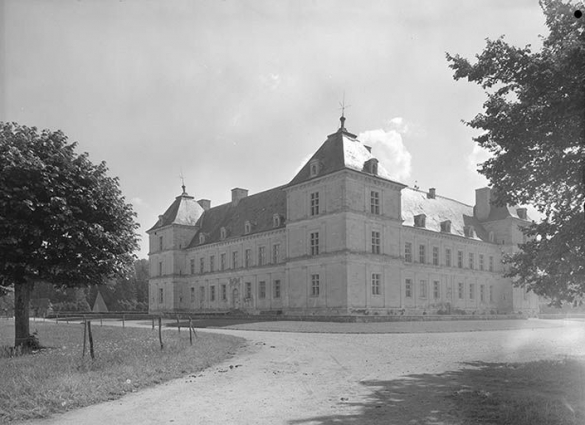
(182, 181)
(343, 106)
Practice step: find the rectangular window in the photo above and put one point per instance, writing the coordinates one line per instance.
(481, 262)
(160, 243)
(161, 295)
(375, 242)
(435, 256)
(315, 203)
(408, 288)
(460, 259)
(212, 293)
(160, 268)
(222, 261)
(375, 202)
(315, 285)
(192, 265)
(212, 263)
(276, 292)
(447, 257)
(482, 293)
(436, 290)
(408, 252)
(262, 289)
(471, 260)
(192, 294)
(248, 290)
(235, 260)
(375, 284)
(224, 292)
(201, 265)
(315, 243)
(491, 294)
(460, 290)
(423, 289)
(248, 258)
(491, 264)
(471, 291)
(261, 255)
(202, 293)
(275, 253)
(422, 254)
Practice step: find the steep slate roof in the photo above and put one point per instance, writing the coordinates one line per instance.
(259, 209)
(438, 209)
(185, 210)
(341, 150)
(500, 213)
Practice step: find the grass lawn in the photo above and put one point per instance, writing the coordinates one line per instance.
(58, 378)
(534, 393)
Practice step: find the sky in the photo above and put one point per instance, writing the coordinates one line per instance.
(240, 93)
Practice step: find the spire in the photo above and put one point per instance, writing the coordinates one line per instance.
(342, 119)
(183, 183)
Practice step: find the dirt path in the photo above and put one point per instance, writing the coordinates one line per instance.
(312, 378)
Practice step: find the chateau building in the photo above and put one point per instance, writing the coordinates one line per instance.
(342, 238)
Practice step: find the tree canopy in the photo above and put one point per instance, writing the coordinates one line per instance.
(63, 220)
(533, 124)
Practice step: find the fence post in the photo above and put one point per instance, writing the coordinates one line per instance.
(101, 320)
(190, 332)
(90, 340)
(160, 332)
(153, 323)
(178, 323)
(84, 336)
(123, 320)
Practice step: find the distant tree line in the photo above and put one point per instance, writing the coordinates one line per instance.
(121, 294)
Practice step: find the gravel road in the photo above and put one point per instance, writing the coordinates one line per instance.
(334, 378)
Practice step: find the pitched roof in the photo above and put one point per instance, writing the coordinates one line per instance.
(185, 210)
(341, 150)
(437, 210)
(258, 209)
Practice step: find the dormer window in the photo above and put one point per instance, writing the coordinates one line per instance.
(491, 237)
(201, 238)
(222, 233)
(314, 168)
(247, 227)
(420, 220)
(446, 226)
(275, 220)
(469, 231)
(371, 166)
(522, 213)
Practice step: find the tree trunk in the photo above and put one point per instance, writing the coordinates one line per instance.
(22, 293)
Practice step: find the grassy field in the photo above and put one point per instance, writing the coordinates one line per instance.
(58, 378)
(535, 393)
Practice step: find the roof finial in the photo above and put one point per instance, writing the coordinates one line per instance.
(183, 182)
(343, 106)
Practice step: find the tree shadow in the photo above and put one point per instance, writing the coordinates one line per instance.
(535, 393)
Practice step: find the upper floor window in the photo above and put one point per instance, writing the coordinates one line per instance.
(408, 288)
(491, 263)
(471, 260)
(261, 255)
(371, 166)
(235, 259)
(460, 259)
(408, 252)
(375, 242)
(448, 257)
(375, 202)
(491, 237)
(275, 220)
(212, 263)
(481, 261)
(420, 220)
(315, 243)
(160, 243)
(192, 265)
(222, 261)
(201, 265)
(160, 268)
(435, 256)
(201, 238)
(422, 254)
(248, 258)
(275, 253)
(315, 203)
(469, 231)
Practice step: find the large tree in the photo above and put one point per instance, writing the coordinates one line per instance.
(533, 124)
(63, 220)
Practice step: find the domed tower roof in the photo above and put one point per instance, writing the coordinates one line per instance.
(185, 211)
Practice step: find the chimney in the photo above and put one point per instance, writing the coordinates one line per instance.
(238, 194)
(205, 203)
(482, 206)
(431, 194)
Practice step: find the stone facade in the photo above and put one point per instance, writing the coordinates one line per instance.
(342, 238)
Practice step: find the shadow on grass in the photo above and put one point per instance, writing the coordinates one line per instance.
(217, 322)
(535, 393)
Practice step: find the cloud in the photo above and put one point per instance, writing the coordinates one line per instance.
(137, 202)
(388, 147)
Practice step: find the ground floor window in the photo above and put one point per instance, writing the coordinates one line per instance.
(248, 290)
(262, 289)
(408, 288)
(276, 289)
(423, 289)
(224, 292)
(161, 295)
(460, 291)
(212, 293)
(375, 284)
(436, 290)
(315, 289)
(192, 294)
